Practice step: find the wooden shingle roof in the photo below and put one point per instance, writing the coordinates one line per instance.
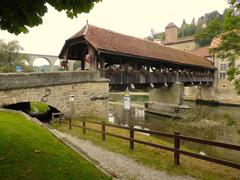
(107, 41)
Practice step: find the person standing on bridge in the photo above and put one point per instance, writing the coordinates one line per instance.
(89, 62)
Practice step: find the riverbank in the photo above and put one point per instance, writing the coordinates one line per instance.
(141, 97)
(29, 151)
(119, 166)
(152, 157)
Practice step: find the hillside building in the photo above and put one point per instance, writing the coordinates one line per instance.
(172, 40)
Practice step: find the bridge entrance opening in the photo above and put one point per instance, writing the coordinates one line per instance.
(39, 110)
(22, 106)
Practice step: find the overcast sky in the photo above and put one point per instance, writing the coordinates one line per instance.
(132, 17)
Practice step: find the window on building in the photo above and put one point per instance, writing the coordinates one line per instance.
(222, 75)
(223, 67)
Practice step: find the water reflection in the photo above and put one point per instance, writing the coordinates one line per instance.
(219, 123)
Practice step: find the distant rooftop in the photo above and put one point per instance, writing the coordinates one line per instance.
(203, 51)
(171, 24)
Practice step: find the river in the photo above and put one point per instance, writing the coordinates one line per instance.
(218, 123)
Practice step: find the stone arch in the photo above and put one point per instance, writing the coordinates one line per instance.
(36, 95)
(57, 65)
(28, 107)
(50, 58)
(25, 62)
(42, 61)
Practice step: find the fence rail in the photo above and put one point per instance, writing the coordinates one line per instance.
(176, 137)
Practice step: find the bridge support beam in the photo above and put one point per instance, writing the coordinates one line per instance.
(167, 101)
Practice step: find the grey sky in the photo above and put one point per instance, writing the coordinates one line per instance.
(132, 17)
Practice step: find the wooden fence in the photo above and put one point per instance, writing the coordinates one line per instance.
(176, 137)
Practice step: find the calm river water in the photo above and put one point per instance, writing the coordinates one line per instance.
(218, 123)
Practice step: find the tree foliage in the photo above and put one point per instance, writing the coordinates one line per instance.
(205, 34)
(209, 26)
(156, 35)
(235, 6)
(16, 16)
(187, 29)
(229, 47)
(204, 20)
(10, 57)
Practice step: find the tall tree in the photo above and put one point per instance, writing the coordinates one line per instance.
(204, 20)
(229, 47)
(10, 57)
(235, 6)
(187, 29)
(155, 35)
(205, 33)
(17, 15)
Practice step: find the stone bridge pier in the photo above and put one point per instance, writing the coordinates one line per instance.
(167, 100)
(89, 91)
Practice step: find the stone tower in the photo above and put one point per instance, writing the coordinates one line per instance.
(171, 32)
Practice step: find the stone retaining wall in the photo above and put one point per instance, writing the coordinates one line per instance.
(89, 91)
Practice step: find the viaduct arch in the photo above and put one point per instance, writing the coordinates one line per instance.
(50, 58)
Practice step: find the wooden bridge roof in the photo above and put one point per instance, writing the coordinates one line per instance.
(107, 41)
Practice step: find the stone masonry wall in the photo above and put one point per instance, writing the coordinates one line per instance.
(90, 92)
(224, 96)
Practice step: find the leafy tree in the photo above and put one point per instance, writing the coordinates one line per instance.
(205, 34)
(204, 20)
(156, 35)
(17, 15)
(187, 29)
(229, 46)
(235, 6)
(10, 57)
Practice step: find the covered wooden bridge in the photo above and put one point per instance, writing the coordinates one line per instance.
(130, 60)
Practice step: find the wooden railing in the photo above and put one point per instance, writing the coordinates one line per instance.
(176, 137)
(138, 77)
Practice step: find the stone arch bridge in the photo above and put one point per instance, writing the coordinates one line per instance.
(50, 58)
(90, 92)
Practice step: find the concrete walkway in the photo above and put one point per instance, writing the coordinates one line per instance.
(117, 165)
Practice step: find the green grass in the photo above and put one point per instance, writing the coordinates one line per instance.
(31, 152)
(229, 119)
(41, 107)
(139, 98)
(153, 157)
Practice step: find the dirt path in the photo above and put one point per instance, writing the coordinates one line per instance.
(119, 166)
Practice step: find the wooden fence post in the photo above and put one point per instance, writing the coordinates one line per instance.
(103, 130)
(131, 137)
(176, 147)
(84, 127)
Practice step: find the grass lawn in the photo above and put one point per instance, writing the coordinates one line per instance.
(153, 157)
(41, 107)
(31, 152)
